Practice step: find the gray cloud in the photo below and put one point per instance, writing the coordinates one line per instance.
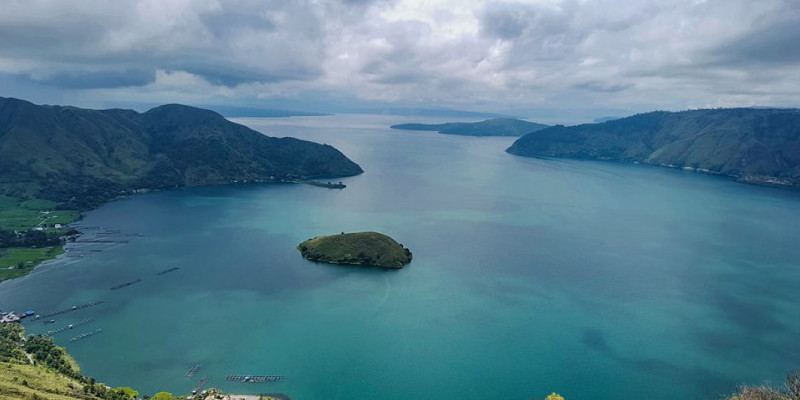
(597, 86)
(98, 79)
(539, 32)
(630, 55)
(778, 43)
(228, 43)
(504, 24)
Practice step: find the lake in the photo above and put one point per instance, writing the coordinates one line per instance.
(593, 280)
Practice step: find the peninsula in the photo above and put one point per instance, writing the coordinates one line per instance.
(489, 127)
(56, 161)
(752, 145)
(80, 158)
(360, 248)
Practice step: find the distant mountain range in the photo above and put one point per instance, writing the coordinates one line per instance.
(82, 157)
(423, 112)
(286, 107)
(490, 127)
(753, 145)
(604, 119)
(242, 112)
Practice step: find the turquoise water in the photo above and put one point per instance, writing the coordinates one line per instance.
(594, 280)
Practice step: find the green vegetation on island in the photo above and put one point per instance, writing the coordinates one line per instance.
(759, 146)
(80, 158)
(360, 248)
(490, 127)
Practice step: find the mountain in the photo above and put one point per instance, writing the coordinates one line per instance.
(243, 112)
(80, 157)
(604, 119)
(416, 111)
(752, 145)
(490, 127)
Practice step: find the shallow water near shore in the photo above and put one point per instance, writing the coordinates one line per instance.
(594, 280)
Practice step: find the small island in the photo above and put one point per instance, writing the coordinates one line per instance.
(359, 248)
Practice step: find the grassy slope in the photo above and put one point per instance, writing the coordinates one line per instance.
(45, 372)
(41, 381)
(361, 248)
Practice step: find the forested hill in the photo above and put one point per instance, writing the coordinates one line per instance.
(490, 127)
(753, 145)
(84, 157)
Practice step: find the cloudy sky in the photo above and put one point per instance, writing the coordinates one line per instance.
(553, 60)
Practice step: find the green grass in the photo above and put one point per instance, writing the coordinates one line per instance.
(18, 381)
(38, 204)
(20, 215)
(29, 257)
(47, 372)
(360, 248)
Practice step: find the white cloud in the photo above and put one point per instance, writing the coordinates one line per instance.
(497, 56)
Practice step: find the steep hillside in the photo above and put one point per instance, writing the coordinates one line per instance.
(753, 145)
(490, 127)
(33, 368)
(81, 157)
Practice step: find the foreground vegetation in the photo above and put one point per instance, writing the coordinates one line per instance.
(33, 368)
(31, 231)
(790, 391)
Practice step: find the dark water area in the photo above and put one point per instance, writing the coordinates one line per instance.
(594, 280)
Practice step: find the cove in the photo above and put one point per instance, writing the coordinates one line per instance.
(594, 280)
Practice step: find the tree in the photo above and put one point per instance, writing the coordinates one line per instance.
(554, 396)
(127, 391)
(758, 393)
(793, 385)
(792, 390)
(162, 396)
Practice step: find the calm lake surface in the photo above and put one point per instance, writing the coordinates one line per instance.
(594, 280)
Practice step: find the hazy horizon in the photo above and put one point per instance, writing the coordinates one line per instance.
(555, 61)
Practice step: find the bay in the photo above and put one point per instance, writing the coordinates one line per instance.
(594, 280)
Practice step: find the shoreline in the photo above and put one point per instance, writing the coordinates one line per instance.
(750, 179)
(215, 394)
(53, 252)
